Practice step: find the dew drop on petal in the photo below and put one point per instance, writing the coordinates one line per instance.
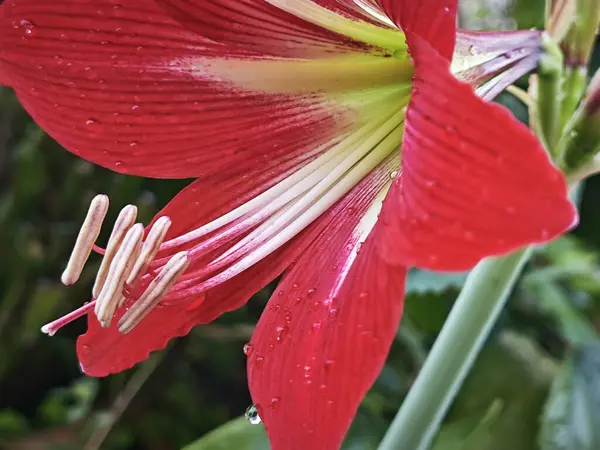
(248, 349)
(281, 332)
(28, 27)
(91, 122)
(274, 402)
(469, 235)
(252, 415)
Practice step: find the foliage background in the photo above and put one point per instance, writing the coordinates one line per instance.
(198, 384)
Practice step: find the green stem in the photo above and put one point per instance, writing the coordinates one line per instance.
(550, 72)
(474, 314)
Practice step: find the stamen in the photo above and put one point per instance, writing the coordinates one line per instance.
(85, 240)
(294, 185)
(120, 268)
(124, 222)
(308, 208)
(157, 289)
(150, 248)
(51, 328)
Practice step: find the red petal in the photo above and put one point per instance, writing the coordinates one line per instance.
(122, 84)
(324, 336)
(474, 182)
(258, 26)
(103, 351)
(432, 20)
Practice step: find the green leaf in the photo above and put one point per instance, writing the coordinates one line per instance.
(469, 433)
(571, 419)
(574, 325)
(238, 434)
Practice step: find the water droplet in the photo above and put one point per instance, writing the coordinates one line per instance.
(274, 308)
(295, 287)
(91, 122)
(252, 415)
(248, 349)
(452, 135)
(133, 144)
(135, 107)
(430, 184)
(86, 349)
(315, 306)
(259, 360)
(280, 293)
(363, 295)
(316, 325)
(288, 314)
(329, 364)
(28, 27)
(333, 313)
(274, 402)
(118, 163)
(307, 371)
(310, 292)
(281, 332)
(433, 259)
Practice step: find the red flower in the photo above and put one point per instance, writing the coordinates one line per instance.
(290, 113)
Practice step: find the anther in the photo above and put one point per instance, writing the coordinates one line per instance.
(120, 268)
(156, 290)
(124, 222)
(85, 240)
(151, 246)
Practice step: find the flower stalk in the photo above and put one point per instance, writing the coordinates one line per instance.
(549, 92)
(466, 329)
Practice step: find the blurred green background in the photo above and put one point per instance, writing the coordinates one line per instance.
(545, 337)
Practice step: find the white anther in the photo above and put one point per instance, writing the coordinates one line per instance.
(156, 290)
(150, 248)
(124, 222)
(85, 240)
(120, 268)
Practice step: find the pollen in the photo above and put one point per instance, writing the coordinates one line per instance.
(85, 240)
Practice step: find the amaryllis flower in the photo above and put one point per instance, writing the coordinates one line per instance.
(330, 142)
